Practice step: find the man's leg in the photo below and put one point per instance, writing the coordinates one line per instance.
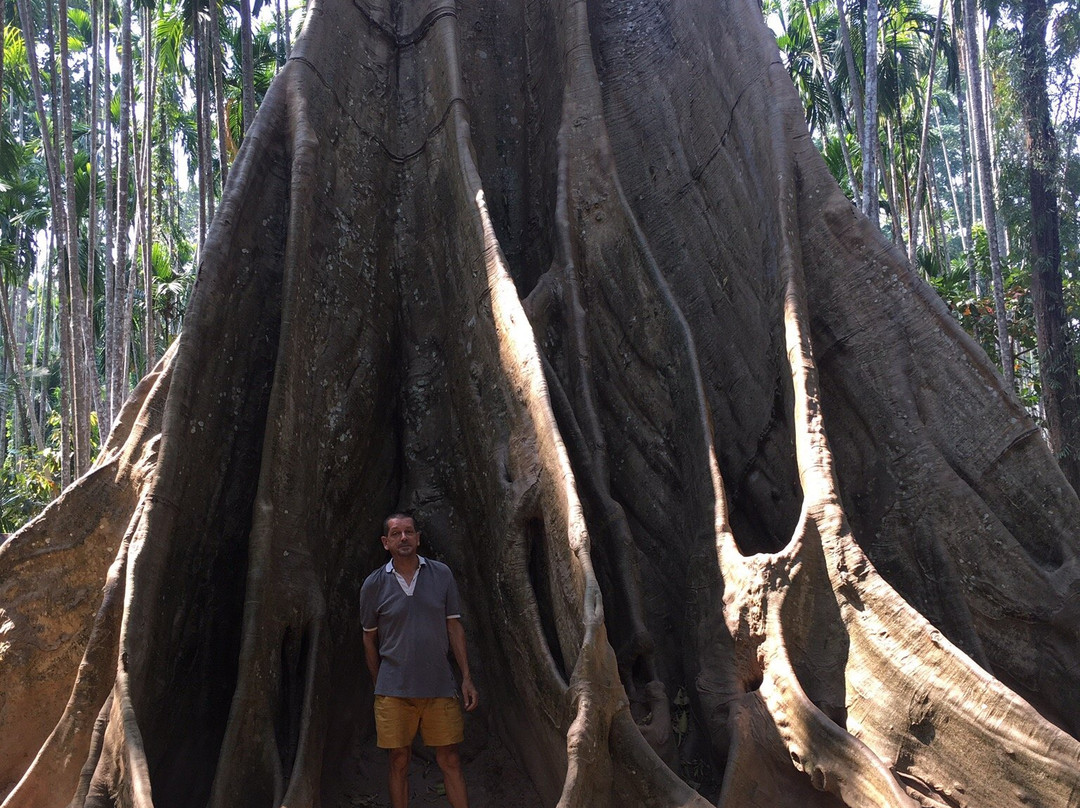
(399, 776)
(450, 762)
(396, 721)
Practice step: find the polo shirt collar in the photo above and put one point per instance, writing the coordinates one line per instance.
(390, 564)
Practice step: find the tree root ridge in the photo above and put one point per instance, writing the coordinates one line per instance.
(613, 279)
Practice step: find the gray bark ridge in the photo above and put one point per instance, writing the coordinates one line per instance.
(571, 282)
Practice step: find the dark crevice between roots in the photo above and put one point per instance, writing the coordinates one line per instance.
(541, 588)
(288, 717)
(766, 498)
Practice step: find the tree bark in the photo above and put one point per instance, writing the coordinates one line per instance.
(572, 282)
(1057, 365)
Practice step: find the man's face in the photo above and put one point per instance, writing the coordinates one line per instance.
(402, 538)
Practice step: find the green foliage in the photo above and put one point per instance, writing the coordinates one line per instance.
(28, 482)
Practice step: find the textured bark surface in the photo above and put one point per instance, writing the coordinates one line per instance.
(731, 499)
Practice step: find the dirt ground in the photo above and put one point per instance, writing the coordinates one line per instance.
(494, 777)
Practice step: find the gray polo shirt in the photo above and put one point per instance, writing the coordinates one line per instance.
(412, 629)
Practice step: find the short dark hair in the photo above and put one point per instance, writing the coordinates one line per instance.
(397, 515)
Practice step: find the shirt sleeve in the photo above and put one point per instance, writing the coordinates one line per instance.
(453, 600)
(369, 614)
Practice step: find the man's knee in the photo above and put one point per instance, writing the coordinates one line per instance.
(447, 757)
(399, 758)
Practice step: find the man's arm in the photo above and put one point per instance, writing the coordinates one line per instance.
(456, 632)
(371, 653)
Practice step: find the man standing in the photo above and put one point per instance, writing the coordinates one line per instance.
(411, 615)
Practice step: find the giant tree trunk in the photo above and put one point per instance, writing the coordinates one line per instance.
(573, 283)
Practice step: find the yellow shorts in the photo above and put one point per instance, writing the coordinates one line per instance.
(397, 719)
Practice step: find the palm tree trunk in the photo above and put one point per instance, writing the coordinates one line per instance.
(16, 361)
(834, 104)
(91, 225)
(888, 179)
(247, 67)
(288, 31)
(279, 51)
(870, 121)
(1057, 364)
(988, 116)
(982, 162)
(132, 276)
(149, 92)
(924, 136)
(82, 357)
(208, 116)
(120, 343)
(110, 406)
(219, 92)
(962, 221)
(46, 351)
(853, 73)
(3, 29)
(59, 219)
(200, 128)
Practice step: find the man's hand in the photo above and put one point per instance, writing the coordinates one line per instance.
(469, 695)
(456, 633)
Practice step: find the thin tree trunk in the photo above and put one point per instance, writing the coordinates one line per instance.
(834, 104)
(46, 352)
(924, 136)
(870, 121)
(247, 66)
(200, 127)
(968, 211)
(16, 362)
(35, 350)
(288, 31)
(853, 73)
(82, 356)
(149, 93)
(91, 225)
(988, 117)
(3, 37)
(888, 180)
(110, 218)
(1057, 365)
(962, 222)
(118, 382)
(219, 92)
(279, 50)
(982, 162)
(208, 116)
(134, 272)
(933, 196)
(56, 206)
